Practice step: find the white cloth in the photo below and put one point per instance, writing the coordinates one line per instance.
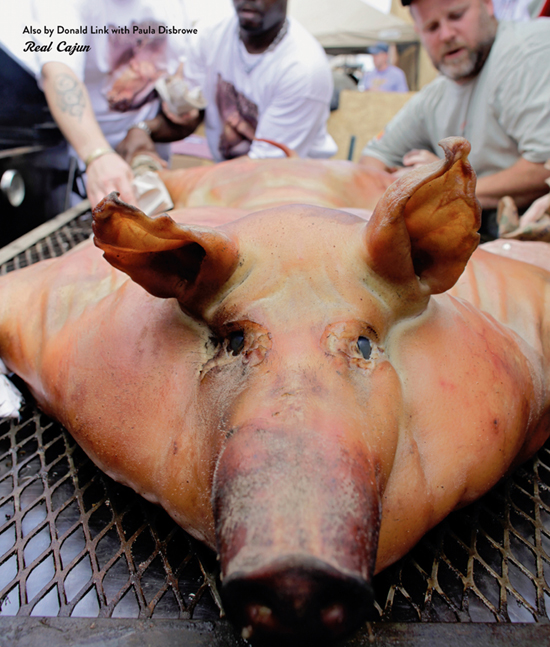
(284, 93)
(10, 396)
(109, 54)
(504, 112)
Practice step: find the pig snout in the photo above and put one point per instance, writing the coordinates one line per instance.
(300, 598)
(297, 517)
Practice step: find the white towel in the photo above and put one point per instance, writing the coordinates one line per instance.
(10, 397)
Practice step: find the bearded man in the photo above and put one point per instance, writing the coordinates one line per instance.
(494, 89)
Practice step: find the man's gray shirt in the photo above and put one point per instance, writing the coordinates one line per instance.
(504, 112)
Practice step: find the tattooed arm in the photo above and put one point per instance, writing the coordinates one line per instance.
(70, 106)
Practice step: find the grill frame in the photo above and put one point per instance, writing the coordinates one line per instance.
(500, 595)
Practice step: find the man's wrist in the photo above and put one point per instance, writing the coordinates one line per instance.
(142, 125)
(97, 153)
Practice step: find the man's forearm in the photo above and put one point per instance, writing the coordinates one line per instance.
(374, 162)
(71, 109)
(524, 181)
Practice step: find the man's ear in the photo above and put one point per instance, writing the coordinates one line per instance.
(189, 263)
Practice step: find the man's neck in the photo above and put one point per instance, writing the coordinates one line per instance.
(258, 43)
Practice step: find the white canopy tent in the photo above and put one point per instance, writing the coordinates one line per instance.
(350, 23)
(338, 24)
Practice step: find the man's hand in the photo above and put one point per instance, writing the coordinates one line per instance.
(169, 127)
(189, 119)
(416, 158)
(136, 141)
(413, 159)
(109, 173)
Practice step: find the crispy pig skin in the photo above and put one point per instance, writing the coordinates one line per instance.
(251, 184)
(142, 359)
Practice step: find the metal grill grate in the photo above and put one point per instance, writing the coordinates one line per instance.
(489, 562)
(55, 244)
(73, 543)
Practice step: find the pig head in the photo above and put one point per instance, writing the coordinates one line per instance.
(292, 386)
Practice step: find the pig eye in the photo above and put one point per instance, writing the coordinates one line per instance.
(364, 347)
(236, 341)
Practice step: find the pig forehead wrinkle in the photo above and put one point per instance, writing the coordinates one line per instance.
(307, 263)
(295, 230)
(302, 298)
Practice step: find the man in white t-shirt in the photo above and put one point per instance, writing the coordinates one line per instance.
(97, 62)
(263, 77)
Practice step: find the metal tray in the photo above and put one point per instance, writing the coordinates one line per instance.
(85, 561)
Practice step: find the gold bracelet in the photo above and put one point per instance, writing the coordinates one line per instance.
(95, 154)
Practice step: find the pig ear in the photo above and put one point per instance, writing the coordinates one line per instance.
(189, 263)
(424, 228)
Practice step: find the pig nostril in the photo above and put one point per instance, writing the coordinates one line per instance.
(247, 632)
(258, 617)
(259, 614)
(294, 603)
(333, 617)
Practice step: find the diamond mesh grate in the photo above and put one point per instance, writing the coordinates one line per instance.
(57, 243)
(73, 543)
(489, 562)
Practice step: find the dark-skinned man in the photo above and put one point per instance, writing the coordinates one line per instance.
(494, 89)
(263, 76)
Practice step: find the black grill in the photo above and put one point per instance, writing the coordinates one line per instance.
(74, 544)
